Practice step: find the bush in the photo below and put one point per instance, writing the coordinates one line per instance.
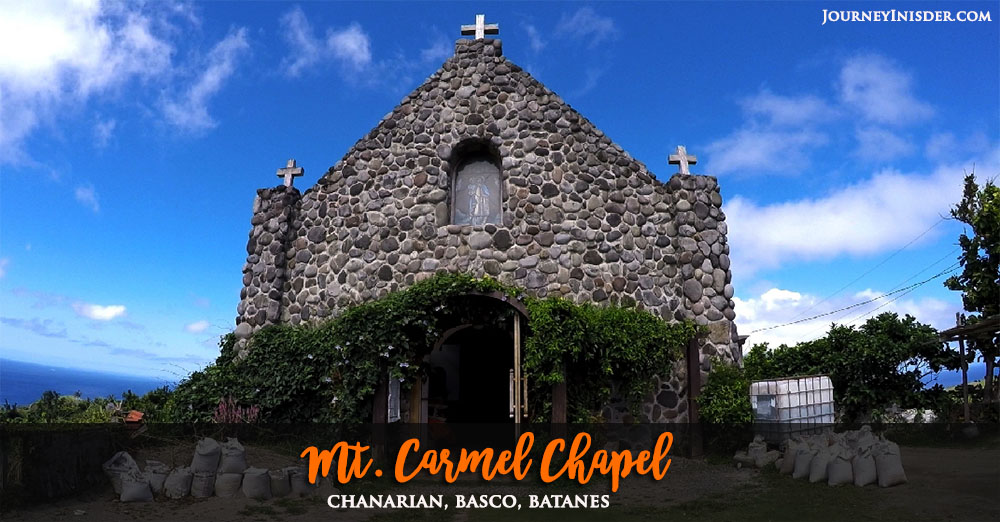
(872, 367)
(328, 372)
(726, 397)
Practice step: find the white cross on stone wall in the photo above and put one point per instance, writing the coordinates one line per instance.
(481, 29)
(682, 159)
(290, 172)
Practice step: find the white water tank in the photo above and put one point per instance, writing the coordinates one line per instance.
(796, 405)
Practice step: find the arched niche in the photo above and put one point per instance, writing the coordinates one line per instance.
(477, 191)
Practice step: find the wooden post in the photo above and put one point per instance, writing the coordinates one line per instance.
(518, 395)
(965, 370)
(417, 406)
(380, 414)
(559, 401)
(694, 389)
(559, 427)
(380, 409)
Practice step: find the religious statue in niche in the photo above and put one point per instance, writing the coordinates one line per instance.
(477, 194)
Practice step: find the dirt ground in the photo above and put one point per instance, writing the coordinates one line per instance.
(957, 484)
(945, 484)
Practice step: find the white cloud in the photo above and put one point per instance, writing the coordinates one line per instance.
(305, 48)
(534, 38)
(876, 214)
(880, 91)
(103, 130)
(586, 24)
(351, 45)
(4, 261)
(438, 51)
(47, 48)
(878, 144)
(87, 196)
(763, 149)
(781, 132)
(788, 110)
(778, 306)
(590, 79)
(98, 312)
(945, 146)
(197, 326)
(58, 53)
(190, 111)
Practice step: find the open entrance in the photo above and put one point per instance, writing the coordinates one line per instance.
(473, 373)
(469, 377)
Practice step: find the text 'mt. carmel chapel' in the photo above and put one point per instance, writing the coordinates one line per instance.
(483, 170)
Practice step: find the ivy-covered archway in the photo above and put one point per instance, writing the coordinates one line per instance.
(330, 371)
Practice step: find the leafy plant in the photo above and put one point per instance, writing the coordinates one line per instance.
(979, 281)
(592, 346)
(872, 367)
(725, 399)
(329, 371)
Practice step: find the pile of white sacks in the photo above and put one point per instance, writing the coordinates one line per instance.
(859, 457)
(216, 469)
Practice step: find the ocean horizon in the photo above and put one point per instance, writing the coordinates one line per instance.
(23, 383)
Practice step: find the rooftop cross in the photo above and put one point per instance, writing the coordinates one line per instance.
(481, 28)
(682, 159)
(290, 172)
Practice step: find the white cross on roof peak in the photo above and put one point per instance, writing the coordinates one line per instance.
(481, 28)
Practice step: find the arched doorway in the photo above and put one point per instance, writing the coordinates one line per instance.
(470, 376)
(473, 372)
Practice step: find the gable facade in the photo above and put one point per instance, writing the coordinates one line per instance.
(484, 170)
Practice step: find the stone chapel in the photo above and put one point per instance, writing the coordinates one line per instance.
(484, 170)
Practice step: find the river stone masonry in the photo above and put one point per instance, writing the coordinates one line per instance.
(581, 218)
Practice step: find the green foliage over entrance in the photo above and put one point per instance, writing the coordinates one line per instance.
(328, 372)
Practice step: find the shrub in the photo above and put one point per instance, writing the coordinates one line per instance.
(726, 397)
(328, 372)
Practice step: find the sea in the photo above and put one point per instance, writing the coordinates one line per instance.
(976, 372)
(22, 383)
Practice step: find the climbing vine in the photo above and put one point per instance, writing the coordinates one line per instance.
(329, 372)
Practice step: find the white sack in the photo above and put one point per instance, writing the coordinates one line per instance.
(257, 484)
(299, 480)
(839, 470)
(206, 456)
(802, 460)
(889, 465)
(178, 483)
(121, 463)
(864, 469)
(203, 484)
(234, 458)
(135, 487)
(787, 465)
(818, 465)
(280, 485)
(156, 473)
(228, 484)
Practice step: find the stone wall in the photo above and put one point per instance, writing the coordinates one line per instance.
(581, 218)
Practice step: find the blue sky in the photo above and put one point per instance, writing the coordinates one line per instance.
(133, 139)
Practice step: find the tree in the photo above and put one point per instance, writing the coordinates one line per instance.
(979, 281)
(880, 364)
